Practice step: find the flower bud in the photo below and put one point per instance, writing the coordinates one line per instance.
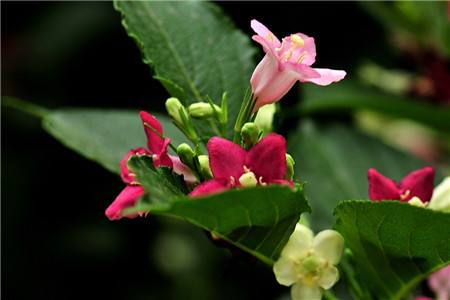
(289, 167)
(181, 118)
(202, 110)
(186, 155)
(174, 108)
(264, 118)
(205, 170)
(250, 134)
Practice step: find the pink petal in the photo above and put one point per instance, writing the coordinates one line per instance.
(422, 298)
(154, 140)
(126, 175)
(278, 85)
(327, 76)
(381, 188)
(210, 187)
(305, 54)
(182, 169)
(126, 199)
(226, 159)
(439, 283)
(265, 37)
(267, 159)
(419, 183)
(309, 48)
(264, 72)
(161, 158)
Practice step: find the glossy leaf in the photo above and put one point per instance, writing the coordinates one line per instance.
(193, 48)
(333, 160)
(104, 136)
(395, 245)
(258, 220)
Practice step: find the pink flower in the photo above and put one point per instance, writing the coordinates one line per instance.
(416, 184)
(232, 166)
(157, 149)
(439, 283)
(284, 63)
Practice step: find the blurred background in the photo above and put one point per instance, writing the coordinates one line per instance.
(56, 241)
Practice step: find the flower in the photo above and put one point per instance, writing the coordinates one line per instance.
(307, 263)
(284, 63)
(233, 166)
(418, 184)
(439, 283)
(441, 196)
(157, 149)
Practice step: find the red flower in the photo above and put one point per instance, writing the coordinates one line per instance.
(416, 184)
(232, 166)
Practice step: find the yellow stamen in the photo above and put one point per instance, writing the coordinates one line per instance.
(297, 40)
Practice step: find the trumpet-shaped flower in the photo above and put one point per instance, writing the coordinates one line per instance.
(307, 263)
(157, 149)
(285, 62)
(441, 196)
(417, 184)
(232, 166)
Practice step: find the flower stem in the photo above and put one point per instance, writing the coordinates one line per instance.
(245, 114)
(329, 295)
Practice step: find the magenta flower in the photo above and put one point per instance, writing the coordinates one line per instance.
(157, 149)
(439, 283)
(284, 63)
(232, 166)
(416, 184)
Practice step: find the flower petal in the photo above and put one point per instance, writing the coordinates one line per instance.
(226, 158)
(154, 140)
(329, 244)
(304, 292)
(381, 188)
(327, 76)
(265, 37)
(182, 169)
(210, 187)
(419, 183)
(299, 243)
(329, 277)
(127, 198)
(125, 174)
(161, 158)
(441, 196)
(279, 84)
(264, 72)
(284, 271)
(289, 183)
(439, 283)
(267, 159)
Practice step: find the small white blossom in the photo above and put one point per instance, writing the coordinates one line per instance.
(441, 196)
(307, 263)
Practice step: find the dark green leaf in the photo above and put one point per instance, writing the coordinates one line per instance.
(352, 96)
(333, 161)
(395, 245)
(257, 220)
(104, 136)
(193, 48)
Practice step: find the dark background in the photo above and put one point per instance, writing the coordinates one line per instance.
(56, 241)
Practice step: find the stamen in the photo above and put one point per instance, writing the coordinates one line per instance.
(405, 195)
(297, 40)
(246, 170)
(261, 182)
(301, 57)
(232, 180)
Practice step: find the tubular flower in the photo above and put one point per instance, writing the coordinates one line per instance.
(439, 283)
(157, 149)
(307, 263)
(285, 62)
(417, 185)
(232, 166)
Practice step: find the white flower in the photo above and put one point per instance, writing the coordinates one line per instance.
(308, 263)
(441, 196)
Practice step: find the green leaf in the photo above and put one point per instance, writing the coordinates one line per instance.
(104, 136)
(333, 161)
(395, 245)
(193, 49)
(258, 220)
(352, 96)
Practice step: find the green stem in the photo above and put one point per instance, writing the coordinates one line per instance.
(25, 106)
(329, 295)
